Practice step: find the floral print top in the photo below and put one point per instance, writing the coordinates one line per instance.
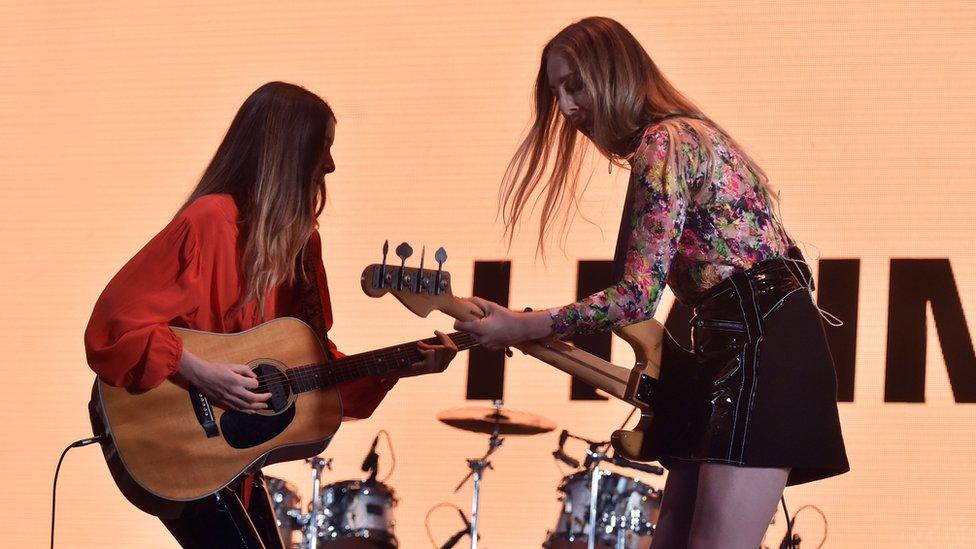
(690, 229)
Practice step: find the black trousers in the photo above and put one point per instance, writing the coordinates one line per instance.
(221, 520)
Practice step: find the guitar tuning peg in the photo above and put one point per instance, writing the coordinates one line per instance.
(440, 256)
(380, 280)
(420, 271)
(404, 251)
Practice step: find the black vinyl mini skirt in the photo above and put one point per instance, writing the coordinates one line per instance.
(760, 389)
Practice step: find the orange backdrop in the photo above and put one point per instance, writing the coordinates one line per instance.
(861, 112)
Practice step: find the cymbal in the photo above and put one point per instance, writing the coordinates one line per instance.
(485, 419)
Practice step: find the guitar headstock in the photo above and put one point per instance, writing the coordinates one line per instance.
(420, 290)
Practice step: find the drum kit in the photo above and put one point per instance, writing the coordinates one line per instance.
(346, 514)
(599, 508)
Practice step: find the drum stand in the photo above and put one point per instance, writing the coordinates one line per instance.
(594, 456)
(311, 532)
(593, 459)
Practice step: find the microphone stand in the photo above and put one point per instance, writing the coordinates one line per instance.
(453, 540)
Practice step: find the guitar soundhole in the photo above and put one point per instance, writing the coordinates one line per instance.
(248, 430)
(274, 381)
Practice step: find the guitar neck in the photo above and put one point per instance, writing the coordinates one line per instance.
(371, 363)
(431, 291)
(599, 373)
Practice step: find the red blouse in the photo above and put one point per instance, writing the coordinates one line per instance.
(189, 276)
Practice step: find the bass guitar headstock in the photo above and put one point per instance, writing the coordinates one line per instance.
(419, 289)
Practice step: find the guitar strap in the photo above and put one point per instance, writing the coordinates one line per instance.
(627, 217)
(308, 299)
(623, 234)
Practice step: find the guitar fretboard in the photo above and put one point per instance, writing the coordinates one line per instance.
(372, 363)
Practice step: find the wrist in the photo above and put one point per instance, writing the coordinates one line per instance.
(189, 366)
(538, 325)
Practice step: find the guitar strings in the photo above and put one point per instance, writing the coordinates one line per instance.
(354, 363)
(365, 358)
(319, 375)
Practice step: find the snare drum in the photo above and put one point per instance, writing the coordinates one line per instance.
(626, 512)
(288, 510)
(357, 514)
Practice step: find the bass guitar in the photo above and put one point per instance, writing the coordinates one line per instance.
(425, 290)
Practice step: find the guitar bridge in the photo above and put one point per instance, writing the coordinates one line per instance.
(204, 412)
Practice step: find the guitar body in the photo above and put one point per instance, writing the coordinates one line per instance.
(164, 447)
(666, 360)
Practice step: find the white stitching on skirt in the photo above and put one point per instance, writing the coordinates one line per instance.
(738, 399)
(755, 377)
(780, 302)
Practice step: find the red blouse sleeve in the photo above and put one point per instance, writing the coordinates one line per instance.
(361, 397)
(128, 341)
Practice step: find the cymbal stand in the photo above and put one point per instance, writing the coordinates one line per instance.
(477, 467)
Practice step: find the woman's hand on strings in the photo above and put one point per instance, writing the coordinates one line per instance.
(229, 386)
(436, 357)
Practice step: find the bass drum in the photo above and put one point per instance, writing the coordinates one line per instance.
(357, 514)
(626, 513)
(288, 511)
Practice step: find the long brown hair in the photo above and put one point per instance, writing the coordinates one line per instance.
(270, 162)
(628, 92)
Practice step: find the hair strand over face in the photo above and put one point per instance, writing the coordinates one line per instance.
(270, 162)
(627, 92)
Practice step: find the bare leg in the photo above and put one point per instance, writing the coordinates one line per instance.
(734, 505)
(678, 506)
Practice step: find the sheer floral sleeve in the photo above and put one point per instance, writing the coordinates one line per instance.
(659, 213)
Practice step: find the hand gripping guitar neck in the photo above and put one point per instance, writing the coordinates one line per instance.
(425, 290)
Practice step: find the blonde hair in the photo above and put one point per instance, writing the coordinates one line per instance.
(628, 93)
(270, 161)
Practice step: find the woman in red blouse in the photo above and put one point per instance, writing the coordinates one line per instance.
(242, 250)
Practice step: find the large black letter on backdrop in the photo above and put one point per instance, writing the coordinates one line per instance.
(592, 276)
(915, 282)
(486, 369)
(837, 293)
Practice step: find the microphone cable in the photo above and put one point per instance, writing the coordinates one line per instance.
(57, 471)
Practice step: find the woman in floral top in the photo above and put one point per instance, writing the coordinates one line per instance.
(690, 229)
(757, 410)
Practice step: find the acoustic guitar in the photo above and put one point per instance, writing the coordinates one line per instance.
(170, 445)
